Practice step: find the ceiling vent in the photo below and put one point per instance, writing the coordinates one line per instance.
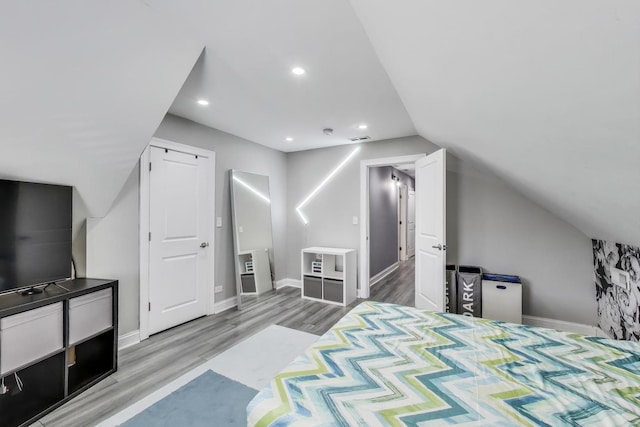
(360, 139)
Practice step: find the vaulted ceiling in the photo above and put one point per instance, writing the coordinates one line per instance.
(83, 87)
(545, 94)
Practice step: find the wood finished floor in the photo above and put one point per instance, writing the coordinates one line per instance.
(147, 366)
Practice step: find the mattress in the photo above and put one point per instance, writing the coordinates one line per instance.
(390, 365)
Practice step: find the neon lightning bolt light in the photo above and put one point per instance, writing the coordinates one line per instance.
(322, 184)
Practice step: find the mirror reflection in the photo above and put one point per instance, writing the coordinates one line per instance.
(253, 241)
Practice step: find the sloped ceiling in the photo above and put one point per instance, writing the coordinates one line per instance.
(245, 73)
(545, 93)
(83, 87)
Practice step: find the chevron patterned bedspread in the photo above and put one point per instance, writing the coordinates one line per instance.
(390, 365)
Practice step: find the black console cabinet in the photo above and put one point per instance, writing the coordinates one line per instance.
(56, 344)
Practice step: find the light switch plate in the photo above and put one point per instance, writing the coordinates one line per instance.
(241, 229)
(620, 278)
(219, 221)
(218, 289)
(355, 220)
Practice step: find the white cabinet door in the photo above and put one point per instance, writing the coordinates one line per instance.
(179, 216)
(430, 231)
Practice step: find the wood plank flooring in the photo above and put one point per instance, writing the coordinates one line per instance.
(147, 366)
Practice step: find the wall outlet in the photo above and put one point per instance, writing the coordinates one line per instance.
(620, 278)
(218, 289)
(219, 222)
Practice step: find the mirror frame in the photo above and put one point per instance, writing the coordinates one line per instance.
(234, 227)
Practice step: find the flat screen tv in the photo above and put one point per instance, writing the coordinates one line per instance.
(35, 234)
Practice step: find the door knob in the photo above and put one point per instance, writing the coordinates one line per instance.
(440, 247)
(204, 244)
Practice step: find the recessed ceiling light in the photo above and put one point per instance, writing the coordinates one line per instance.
(362, 126)
(298, 71)
(288, 139)
(203, 102)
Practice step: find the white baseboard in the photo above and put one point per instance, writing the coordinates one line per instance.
(291, 283)
(384, 273)
(128, 339)
(224, 305)
(561, 325)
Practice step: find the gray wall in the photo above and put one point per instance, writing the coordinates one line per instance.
(331, 211)
(119, 255)
(493, 226)
(383, 217)
(113, 251)
(488, 224)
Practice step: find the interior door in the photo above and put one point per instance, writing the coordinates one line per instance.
(430, 231)
(179, 256)
(411, 223)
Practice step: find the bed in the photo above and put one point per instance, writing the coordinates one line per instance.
(391, 365)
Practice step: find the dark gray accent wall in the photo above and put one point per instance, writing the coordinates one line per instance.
(383, 217)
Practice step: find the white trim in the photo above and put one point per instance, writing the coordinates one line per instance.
(384, 273)
(560, 325)
(290, 283)
(128, 339)
(363, 277)
(144, 244)
(225, 305)
(144, 225)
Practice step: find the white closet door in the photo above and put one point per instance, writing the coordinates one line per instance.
(179, 253)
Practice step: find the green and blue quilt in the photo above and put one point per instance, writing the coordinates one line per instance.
(390, 365)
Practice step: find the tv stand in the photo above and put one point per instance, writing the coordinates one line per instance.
(54, 345)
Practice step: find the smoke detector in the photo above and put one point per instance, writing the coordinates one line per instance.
(327, 131)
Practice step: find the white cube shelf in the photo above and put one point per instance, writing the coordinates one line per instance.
(336, 281)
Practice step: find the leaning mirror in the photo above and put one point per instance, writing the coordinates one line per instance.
(252, 239)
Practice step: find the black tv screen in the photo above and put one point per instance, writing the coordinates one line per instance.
(35, 234)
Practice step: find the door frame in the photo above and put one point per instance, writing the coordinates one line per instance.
(364, 278)
(403, 194)
(144, 206)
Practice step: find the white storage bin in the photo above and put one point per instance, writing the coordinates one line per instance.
(89, 314)
(502, 301)
(29, 336)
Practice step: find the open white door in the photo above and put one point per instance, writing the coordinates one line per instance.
(430, 231)
(179, 253)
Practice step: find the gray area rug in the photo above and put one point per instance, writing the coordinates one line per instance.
(209, 400)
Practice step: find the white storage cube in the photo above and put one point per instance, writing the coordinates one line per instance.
(29, 336)
(502, 301)
(89, 314)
